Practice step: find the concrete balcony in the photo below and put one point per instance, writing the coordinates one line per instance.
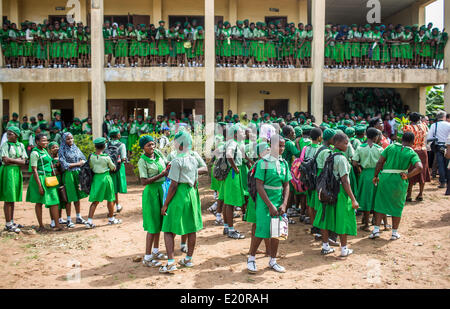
(264, 75)
(45, 75)
(155, 74)
(399, 78)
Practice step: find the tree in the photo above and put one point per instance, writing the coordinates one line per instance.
(435, 100)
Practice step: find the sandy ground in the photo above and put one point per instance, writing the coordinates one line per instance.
(109, 256)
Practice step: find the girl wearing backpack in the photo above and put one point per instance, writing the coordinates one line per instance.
(262, 149)
(182, 208)
(392, 184)
(119, 178)
(71, 159)
(13, 156)
(339, 218)
(152, 171)
(365, 159)
(102, 187)
(272, 183)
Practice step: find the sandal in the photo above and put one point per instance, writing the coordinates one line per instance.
(419, 198)
(395, 236)
(168, 268)
(159, 256)
(70, 224)
(184, 249)
(374, 235)
(151, 263)
(365, 228)
(408, 200)
(251, 267)
(291, 221)
(186, 263)
(326, 251)
(346, 253)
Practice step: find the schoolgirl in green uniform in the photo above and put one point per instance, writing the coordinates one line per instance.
(121, 47)
(144, 47)
(25, 134)
(133, 45)
(392, 184)
(13, 156)
(329, 43)
(180, 50)
(300, 45)
(367, 39)
(232, 192)
(182, 208)
(172, 36)
(102, 187)
(162, 43)
(119, 178)
(152, 172)
(13, 38)
(365, 160)
(272, 184)
(5, 45)
(225, 37)
(340, 218)
(349, 153)
(376, 50)
(108, 38)
(442, 42)
(385, 50)
(407, 39)
(133, 133)
(71, 159)
(38, 192)
(53, 149)
(236, 43)
(199, 46)
(355, 38)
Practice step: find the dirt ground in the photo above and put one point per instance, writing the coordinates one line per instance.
(109, 256)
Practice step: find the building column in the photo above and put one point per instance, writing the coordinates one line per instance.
(159, 99)
(157, 13)
(302, 11)
(233, 95)
(83, 12)
(422, 100)
(318, 22)
(14, 99)
(80, 105)
(447, 55)
(232, 11)
(97, 72)
(303, 97)
(210, 68)
(14, 15)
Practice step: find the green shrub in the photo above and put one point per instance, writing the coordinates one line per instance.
(84, 142)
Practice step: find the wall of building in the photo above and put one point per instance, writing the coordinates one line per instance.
(138, 7)
(33, 98)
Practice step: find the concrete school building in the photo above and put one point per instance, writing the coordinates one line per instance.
(153, 91)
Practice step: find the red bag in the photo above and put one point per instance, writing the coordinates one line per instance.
(295, 172)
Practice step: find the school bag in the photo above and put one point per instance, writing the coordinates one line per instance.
(251, 182)
(308, 170)
(85, 177)
(114, 152)
(327, 185)
(221, 167)
(295, 172)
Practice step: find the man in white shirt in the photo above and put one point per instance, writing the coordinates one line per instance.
(439, 132)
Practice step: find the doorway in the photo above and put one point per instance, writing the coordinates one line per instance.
(277, 19)
(59, 18)
(280, 106)
(5, 107)
(65, 108)
(128, 19)
(186, 18)
(127, 107)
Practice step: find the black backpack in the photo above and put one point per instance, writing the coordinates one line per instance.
(308, 170)
(85, 177)
(221, 167)
(114, 152)
(251, 182)
(327, 185)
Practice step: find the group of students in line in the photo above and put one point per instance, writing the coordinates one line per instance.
(48, 45)
(150, 45)
(372, 174)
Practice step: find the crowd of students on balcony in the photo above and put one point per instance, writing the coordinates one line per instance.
(55, 44)
(246, 44)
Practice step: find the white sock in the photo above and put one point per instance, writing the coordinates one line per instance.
(272, 261)
(231, 229)
(183, 245)
(52, 223)
(251, 258)
(78, 215)
(155, 250)
(9, 223)
(218, 216)
(343, 249)
(170, 262)
(376, 229)
(147, 257)
(325, 246)
(90, 220)
(111, 219)
(394, 232)
(69, 219)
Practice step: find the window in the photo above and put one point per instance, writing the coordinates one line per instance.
(280, 106)
(184, 18)
(65, 108)
(276, 19)
(59, 18)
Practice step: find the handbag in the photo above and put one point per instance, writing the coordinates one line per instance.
(279, 227)
(50, 181)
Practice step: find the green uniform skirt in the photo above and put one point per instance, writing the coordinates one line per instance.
(243, 171)
(184, 213)
(407, 51)
(366, 190)
(233, 191)
(396, 51)
(340, 218)
(134, 48)
(108, 47)
(250, 212)
(122, 49)
(356, 50)
(132, 139)
(214, 182)
(102, 188)
(11, 182)
(364, 49)
(152, 202)
(353, 182)
(263, 217)
(120, 180)
(163, 47)
(72, 183)
(50, 197)
(390, 197)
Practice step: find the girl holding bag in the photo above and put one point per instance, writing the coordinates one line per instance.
(43, 187)
(272, 183)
